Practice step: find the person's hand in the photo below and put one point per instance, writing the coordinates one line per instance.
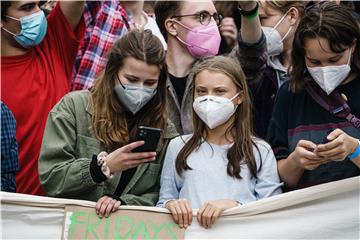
(247, 5)
(106, 205)
(181, 212)
(122, 158)
(304, 156)
(210, 212)
(229, 31)
(340, 146)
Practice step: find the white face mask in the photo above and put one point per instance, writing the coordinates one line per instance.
(330, 77)
(213, 110)
(274, 42)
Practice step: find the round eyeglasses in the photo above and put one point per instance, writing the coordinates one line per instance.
(204, 17)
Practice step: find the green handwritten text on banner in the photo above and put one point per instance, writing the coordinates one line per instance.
(83, 223)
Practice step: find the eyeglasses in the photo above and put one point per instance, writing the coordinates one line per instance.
(204, 17)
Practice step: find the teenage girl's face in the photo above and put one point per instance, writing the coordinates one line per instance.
(269, 17)
(319, 54)
(218, 84)
(137, 72)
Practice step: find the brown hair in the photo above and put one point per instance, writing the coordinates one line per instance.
(332, 22)
(4, 7)
(284, 6)
(164, 10)
(109, 122)
(241, 129)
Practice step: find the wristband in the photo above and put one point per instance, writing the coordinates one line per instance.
(250, 14)
(356, 153)
(101, 161)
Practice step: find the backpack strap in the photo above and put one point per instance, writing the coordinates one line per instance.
(333, 103)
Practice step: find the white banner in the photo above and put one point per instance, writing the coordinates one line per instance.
(327, 211)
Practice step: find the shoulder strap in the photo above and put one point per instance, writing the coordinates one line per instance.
(333, 103)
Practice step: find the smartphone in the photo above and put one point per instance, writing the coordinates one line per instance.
(151, 137)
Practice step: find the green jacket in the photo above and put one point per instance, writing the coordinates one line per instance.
(66, 153)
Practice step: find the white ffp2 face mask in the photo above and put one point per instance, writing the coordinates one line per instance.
(213, 110)
(274, 42)
(330, 77)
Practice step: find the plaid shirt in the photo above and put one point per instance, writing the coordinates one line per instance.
(105, 23)
(9, 150)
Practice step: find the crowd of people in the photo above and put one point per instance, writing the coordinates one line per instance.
(253, 98)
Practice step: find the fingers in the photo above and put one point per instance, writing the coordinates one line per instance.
(129, 147)
(99, 203)
(200, 213)
(135, 163)
(207, 215)
(189, 212)
(338, 151)
(116, 206)
(228, 29)
(174, 213)
(140, 156)
(184, 213)
(134, 159)
(109, 207)
(307, 145)
(323, 148)
(334, 134)
(203, 214)
(308, 155)
(228, 21)
(181, 212)
(215, 216)
(105, 205)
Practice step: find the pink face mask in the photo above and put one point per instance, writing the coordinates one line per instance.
(202, 41)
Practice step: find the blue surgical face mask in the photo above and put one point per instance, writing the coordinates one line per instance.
(33, 29)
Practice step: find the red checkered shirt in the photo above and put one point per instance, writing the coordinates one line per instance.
(106, 21)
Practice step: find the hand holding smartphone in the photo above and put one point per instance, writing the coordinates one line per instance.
(151, 137)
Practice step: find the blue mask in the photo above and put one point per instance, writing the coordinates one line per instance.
(33, 29)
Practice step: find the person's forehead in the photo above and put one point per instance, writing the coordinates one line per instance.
(18, 4)
(188, 7)
(318, 48)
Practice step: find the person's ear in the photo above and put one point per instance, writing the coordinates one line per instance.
(353, 46)
(240, 98)
(294, 16)
(170, 27)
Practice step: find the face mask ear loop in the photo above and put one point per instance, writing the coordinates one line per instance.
(236, 95)
(178, 38)
(13, 34)
(281, 19)
(279, 22)
(349, 57)
(16, 19)
(286, 34)
(117, 76)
